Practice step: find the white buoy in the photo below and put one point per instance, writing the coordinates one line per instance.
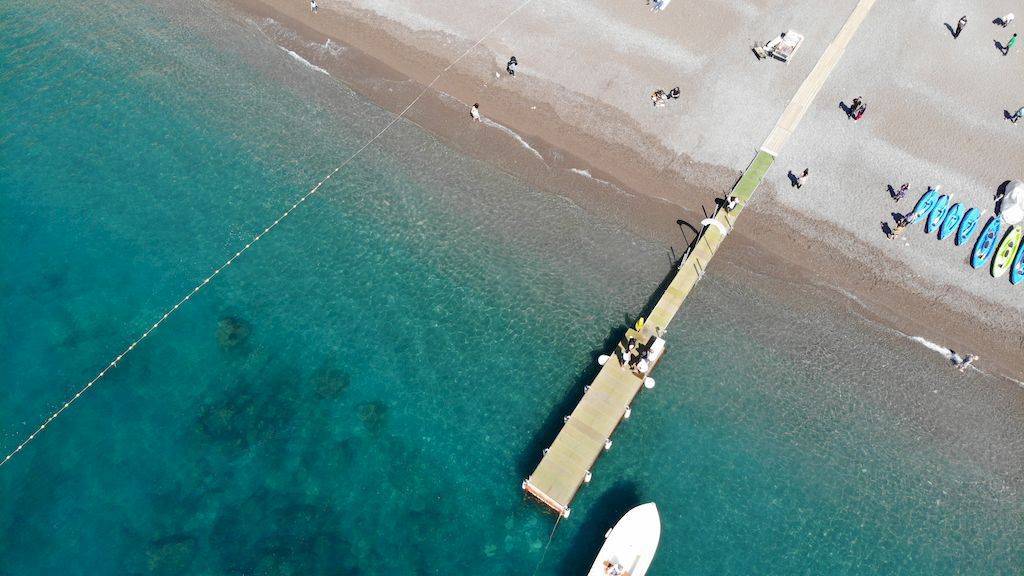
(648, 382)
(602, 359)
(629, 411)
(566, 419)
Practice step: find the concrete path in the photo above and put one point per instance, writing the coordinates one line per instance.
(815, 80)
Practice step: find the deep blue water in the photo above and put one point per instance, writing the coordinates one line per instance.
(365, 389)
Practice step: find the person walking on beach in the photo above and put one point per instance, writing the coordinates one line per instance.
(803, 178)
(475, 112)
(1017, 115)
(313, 6)
(902, 225)
(511, 66)
(960, 26)
(962, 363)
(1010, 44)
(1005, 20)
(899, 194)
(854, 106)
(730, 203)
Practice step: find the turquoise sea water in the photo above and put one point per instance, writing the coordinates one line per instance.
(363, 392)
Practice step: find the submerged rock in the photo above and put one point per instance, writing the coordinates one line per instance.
(330, 383)
(232, 332)
(372, 414)
(171, 555)
(241, 418)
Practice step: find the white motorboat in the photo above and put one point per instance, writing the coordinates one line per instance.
(630, 545)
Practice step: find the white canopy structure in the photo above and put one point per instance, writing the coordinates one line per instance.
(1012, 207)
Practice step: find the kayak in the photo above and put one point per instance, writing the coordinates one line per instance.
(1017, 269)
(968, 225)
(986, 243)
(926, 203)
(938, 213)
(1006, 251)
(952, 220)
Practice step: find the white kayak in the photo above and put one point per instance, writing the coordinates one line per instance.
(630, 545)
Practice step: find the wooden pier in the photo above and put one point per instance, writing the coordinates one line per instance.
(566, 465)
(587, 432)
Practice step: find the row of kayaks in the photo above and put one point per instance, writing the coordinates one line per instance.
(1005, 255)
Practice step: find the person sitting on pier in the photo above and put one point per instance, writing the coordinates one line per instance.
(627, 358)
(643, 363)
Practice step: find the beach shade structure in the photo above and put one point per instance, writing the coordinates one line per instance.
(1012, 207)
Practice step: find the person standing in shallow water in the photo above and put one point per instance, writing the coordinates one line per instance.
(475, 112)
(511, 66)
(313, 6)
(965, 362)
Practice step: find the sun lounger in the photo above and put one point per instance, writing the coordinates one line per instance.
(782, 47)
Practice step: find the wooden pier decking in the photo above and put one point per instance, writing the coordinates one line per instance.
(566, 465)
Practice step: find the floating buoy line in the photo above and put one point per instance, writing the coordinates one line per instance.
(195, 290)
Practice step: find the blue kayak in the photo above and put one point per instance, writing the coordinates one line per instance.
(925, 204)
(1017, 268)
(986, 244)
(968, 225)
(952, 220)
(938, 213)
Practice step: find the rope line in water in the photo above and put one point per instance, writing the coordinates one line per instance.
(550, 539)
(113, 364)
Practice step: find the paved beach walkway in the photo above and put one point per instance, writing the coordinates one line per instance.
(798, 106)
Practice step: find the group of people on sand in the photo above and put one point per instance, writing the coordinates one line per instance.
(659, 97)
(635, 356)
(857, 109)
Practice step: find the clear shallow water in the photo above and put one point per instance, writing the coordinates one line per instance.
(365, 390)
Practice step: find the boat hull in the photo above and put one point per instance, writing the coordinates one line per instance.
(631, 544)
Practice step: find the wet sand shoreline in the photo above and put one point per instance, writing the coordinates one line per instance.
(613, 180)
